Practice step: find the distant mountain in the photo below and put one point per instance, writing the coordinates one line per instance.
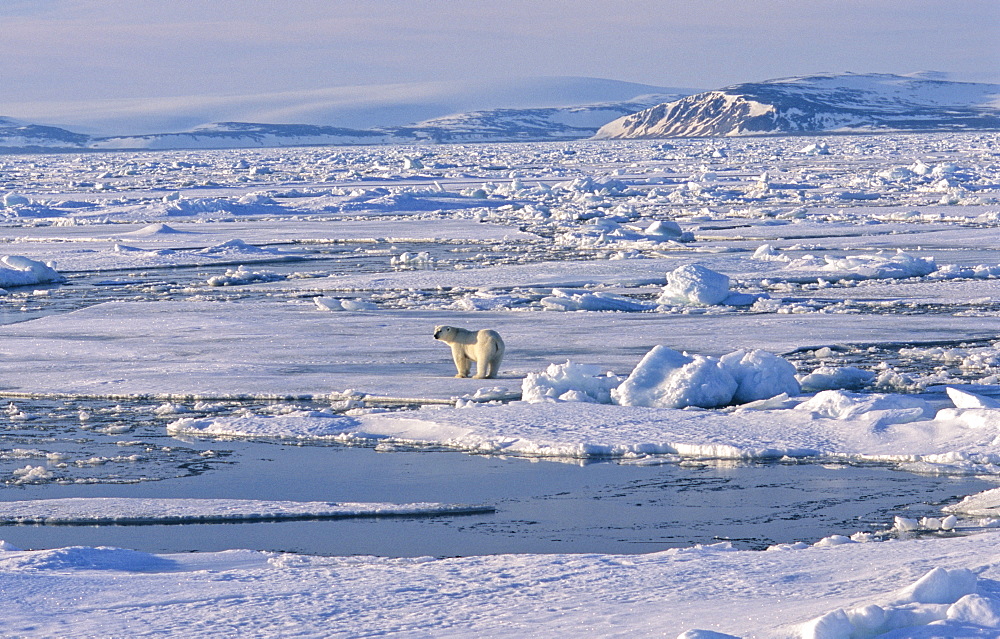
(513, 125)
(494, 125)
(349, 107)
(237, 135)
(19, 135)
(828, 103)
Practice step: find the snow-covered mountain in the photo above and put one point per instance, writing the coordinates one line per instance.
(14, 134)
(824, 103)
(240, 135)
(551, 123)
(349, 107)
(493, 125)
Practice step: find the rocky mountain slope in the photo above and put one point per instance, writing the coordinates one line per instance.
(826, 103)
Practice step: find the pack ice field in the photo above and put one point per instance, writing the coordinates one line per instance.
(202, 350)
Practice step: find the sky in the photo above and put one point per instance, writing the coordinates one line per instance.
(81, 49)
(77, 50)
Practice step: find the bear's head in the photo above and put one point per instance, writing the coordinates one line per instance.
(444, 333)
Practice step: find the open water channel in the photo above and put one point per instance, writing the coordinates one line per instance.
(122, 450)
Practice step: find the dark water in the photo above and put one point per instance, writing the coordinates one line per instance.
(541, 506)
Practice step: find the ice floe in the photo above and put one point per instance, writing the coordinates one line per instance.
(84, 511)
(909, 431)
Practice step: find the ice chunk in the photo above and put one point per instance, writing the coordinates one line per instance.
(760, 375)
(569, 382)
(820, 148)
(905, 524)
(490, 301)
(965, 399)
(867, 618)
(984, 504)
(357, 305)
(139, 510)
(695, 284)
(832, 625)
(562, 300)
(665, 378)
(155, 229)
(243, 275)
(13, 199)
(743, 299)
(939, 586)
(334, 304)
(705, 634)
(876, 410)
(407, 260)
(328, 304)
(16, 270)
(767, 253)
(666, 229)
(832, 377)
(976, 610)
(898, 266)
(236, 246)
(984, 418)
(31, 475)
(833, 540)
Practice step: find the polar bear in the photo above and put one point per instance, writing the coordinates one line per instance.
(484, 347)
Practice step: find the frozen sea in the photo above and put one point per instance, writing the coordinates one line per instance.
(737, 371)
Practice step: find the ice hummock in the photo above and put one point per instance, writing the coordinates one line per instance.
(570, 382)
(665, 378)
(698, 284)
(16, 270)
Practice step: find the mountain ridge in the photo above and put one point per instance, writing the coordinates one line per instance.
(350, 107)
(799, 105)
(819, 103)
(491, 125)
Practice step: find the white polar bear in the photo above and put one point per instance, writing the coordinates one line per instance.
(484, 347)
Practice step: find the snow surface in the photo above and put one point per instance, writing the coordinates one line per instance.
(834, 588)
(872, 269)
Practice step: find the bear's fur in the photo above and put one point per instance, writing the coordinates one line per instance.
(484, 347)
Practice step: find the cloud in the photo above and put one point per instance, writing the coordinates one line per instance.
(147, 48)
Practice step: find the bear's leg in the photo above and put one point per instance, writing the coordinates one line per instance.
(462, 362)
(489, 366)
(484, 369)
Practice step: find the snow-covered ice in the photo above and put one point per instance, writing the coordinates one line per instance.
(16, 270)
(755, 299)
(834, 588)
(108, 510)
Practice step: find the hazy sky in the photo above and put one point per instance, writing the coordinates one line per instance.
(84, 49)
